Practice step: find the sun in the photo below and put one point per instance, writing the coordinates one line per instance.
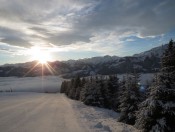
(42, 61)
(40, 55)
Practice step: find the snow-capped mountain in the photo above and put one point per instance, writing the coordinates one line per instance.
(94, 60)
(157, 51)
(148, 61)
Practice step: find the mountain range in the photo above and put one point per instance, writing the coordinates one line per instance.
(145, 62)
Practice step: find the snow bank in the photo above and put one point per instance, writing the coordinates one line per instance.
(99, 119)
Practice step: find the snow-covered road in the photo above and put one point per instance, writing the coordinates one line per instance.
(37, 112)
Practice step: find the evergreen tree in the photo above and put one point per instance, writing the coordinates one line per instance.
(68, 87)
(83, 81)
(78, 87)
(71, 90)
(105, 96)
(122, 88)
(91, 93)
(63, 87)
(129, 100)
(157, 112)
(75, 88)
(113, 88)
(168, 62)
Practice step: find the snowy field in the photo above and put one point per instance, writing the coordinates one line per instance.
(31, 84)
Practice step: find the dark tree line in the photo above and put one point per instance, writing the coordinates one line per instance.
(96, 91)
(153, 110)
(107, 92)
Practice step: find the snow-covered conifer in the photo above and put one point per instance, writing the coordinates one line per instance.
(91, 93)
(113, 88)
(157, 112)
(63, 87)
(129, 100)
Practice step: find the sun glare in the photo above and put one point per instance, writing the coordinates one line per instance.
(40, 55)
(42, 61)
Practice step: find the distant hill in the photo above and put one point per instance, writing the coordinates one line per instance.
(145, 62)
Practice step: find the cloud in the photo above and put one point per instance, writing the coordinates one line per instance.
(100, 24)
(12, 50)
(67, 38)
(13, 37)
(122, 17)
(147, 18)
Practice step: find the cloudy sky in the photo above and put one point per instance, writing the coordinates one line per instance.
(73, 29)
